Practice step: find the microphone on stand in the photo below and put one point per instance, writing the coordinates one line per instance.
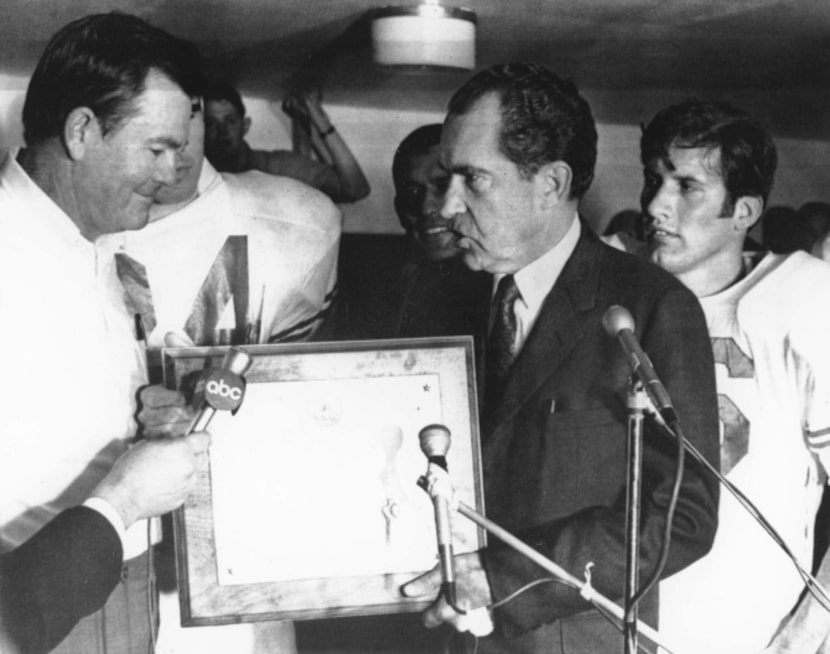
(618, 323)
(224, 388)
(435, 442)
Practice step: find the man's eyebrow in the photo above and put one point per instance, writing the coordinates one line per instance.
(167, 141)
(464, 169)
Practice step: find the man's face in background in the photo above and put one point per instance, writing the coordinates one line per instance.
(419, 192)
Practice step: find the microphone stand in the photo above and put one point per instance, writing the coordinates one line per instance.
(636, 405)
(584, 587)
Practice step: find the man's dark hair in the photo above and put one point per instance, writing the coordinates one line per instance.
(218, 91)
(544, 119)
(748, 157)
(418, 142)
(102, 61)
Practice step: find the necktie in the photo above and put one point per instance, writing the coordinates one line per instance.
(500, 343)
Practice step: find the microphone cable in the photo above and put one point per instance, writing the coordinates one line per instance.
(665, 542)
(812, 584)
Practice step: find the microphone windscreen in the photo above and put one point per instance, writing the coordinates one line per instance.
(435, 440)
(617, 318)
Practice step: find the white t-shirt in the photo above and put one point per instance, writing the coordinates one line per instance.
(771, 338)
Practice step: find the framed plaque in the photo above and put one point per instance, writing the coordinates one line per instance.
(308, 505)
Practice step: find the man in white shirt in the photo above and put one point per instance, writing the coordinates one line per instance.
(107, 110)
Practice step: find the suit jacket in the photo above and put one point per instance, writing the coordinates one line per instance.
(394, 293)
(441, 297)
(61, 574)
(554, 450)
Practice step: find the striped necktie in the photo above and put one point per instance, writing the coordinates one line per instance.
(500, 351)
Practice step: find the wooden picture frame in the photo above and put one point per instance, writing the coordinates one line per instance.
(308, 506)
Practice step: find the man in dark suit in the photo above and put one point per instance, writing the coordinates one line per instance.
(519, 145)
(68, 569)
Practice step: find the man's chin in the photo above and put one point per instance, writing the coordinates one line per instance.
(435, 255)
(471, 260)
(438, 247)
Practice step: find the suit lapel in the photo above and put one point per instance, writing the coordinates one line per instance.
(557, 329)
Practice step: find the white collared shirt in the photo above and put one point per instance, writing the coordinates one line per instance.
(75, 365)
(536, 280)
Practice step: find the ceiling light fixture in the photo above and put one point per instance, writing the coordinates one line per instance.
(424, 35)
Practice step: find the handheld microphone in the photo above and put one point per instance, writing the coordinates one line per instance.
(435, 442)
(618, 323)
(224, 388)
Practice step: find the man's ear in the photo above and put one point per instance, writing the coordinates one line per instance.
(246, 124)
(555, 179)
(748, 209)
(79, 130)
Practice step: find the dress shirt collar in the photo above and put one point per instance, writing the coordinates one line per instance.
(537, 278)
(51, 219)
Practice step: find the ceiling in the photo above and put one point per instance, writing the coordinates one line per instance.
(760, 47)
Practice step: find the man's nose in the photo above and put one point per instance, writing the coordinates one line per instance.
(453, 203)
(658, 202)
(165, 171)
(431, 204)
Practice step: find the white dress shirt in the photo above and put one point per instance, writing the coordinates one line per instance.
(536, 280)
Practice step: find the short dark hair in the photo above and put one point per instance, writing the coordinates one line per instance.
(102, 61)
(418, 142)
(748, 156)
(218, 91)
(544, 119)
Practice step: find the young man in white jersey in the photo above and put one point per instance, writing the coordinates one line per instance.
(226, 259)
(230, 259)
(708, 170)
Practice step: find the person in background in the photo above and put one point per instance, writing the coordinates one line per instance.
(816, 217)
(625, 232)
(106, 112)
(338, 175)
(431, 292)
(420, 184)
(708, 171)
(228, 259)
(782, 232)
(68, 569)
(519, 146)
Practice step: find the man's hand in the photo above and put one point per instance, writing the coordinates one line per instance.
(473, 594)
(154, 476)
(163, 413)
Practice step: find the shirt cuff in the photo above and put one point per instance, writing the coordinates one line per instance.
(106, 509)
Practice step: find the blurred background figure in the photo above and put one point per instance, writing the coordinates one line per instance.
(815, 217)
(625, 232)
(337, 174)
(393, 292)
(420, 184)
(782, 232)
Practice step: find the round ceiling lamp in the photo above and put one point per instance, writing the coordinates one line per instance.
(424, 35)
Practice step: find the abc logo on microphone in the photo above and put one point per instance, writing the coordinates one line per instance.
(224, 390)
